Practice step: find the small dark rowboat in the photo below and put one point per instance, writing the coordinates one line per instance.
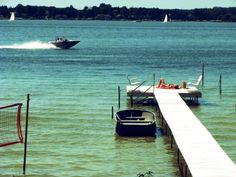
(135, 122)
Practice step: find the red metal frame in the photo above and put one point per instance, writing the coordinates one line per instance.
(18, 124)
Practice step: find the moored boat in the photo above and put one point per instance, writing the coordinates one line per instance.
(64, 43)
(134, 122)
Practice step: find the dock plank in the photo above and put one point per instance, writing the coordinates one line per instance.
(203, 155)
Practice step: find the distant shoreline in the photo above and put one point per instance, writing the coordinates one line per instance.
(124, 20)
(107, 12)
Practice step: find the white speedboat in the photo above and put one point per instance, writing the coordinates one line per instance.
(64, 43)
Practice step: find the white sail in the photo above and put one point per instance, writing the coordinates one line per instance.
(165, 19)
(12, 18)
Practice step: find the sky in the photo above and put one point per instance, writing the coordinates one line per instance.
(162, 4)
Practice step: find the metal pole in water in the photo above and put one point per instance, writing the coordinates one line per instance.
(154, 83)
(118, 90)
(154, 80)
(26, 133)
(220, 85)
(112, 112)
(203, 73)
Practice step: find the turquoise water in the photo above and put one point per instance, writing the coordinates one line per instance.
(71, 132)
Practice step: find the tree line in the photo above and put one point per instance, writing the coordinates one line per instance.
(107, 12)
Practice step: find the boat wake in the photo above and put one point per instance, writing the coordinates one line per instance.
(29, 45)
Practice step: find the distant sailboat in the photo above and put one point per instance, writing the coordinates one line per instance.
(12, 18)
(165, 19)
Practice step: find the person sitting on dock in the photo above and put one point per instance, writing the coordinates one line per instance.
(184, 85)
(163, 85)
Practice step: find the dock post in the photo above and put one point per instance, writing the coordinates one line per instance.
(186, 171)
(203, 74)
(171, 141)
(166, 129)
(118, 97)
(162, 120)
(220, 85)
(178, 155)
(181, 169)
(131, 101)
(159, 112)
(112, 112)
(154, 80)
(26, 133)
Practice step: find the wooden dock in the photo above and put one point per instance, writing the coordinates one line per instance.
(191, 93)
(202, 154)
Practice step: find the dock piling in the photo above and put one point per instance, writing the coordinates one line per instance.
(119, 97)
(112, 112)
(154, 80)
(178, 156)
(166, 129)
(171, 141)
(131, 101)
(220, 85)
(26, 133)
(203, 73)
(186, 171)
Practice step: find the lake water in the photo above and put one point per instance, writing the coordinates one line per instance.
(71, 132)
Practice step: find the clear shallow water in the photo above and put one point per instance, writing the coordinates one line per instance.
(70, 131)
